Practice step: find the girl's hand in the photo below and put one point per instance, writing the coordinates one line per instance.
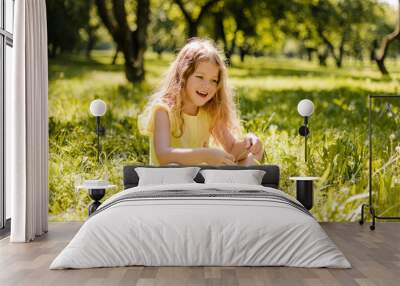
(255, 147)
(219, 157)
(240, 150)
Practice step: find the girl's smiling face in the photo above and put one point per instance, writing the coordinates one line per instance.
(202, 85)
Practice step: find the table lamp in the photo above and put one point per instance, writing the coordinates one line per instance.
(98, 108)
(305, 109)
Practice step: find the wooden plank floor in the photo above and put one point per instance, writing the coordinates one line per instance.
(375, 256)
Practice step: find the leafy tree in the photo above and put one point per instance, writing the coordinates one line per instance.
(248, 25)
(262, 32)
(65, 18)
(338, 22)
(91, 30)
(332, 27)
(387, 40)
(193, 21)
(131, 42)
(245, 18)
(166, 27)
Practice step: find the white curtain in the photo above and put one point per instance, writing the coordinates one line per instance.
(27, 124)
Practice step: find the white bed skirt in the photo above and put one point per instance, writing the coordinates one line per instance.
(200, 232)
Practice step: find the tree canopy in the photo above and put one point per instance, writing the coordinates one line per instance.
(331, 30)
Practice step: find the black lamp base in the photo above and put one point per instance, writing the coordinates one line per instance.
(304, 193)
(96, 195)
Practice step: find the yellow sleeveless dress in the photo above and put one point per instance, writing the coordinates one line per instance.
(195, 131)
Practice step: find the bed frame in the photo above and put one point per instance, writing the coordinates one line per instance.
(270, 179)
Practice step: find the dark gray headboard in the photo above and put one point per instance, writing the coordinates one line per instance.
(270, 179)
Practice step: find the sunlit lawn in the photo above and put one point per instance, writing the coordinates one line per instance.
(267, 90)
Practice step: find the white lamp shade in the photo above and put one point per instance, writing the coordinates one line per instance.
(98, 107)
(305, 108)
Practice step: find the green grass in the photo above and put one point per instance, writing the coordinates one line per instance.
(268, 91)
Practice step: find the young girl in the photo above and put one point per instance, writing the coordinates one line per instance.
(193, 106)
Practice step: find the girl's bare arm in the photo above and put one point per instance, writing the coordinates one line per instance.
(250, 146)
(185, 156)
(239, 149)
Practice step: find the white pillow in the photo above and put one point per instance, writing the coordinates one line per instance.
(249, 177)
(164, 176)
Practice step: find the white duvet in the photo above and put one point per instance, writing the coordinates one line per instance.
(200, 231)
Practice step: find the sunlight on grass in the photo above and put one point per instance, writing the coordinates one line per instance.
(267, 91)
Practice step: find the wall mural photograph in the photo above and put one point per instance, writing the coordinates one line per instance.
(219, 83)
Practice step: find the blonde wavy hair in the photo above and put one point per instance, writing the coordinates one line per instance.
(221, 108)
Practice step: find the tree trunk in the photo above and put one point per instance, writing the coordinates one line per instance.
(139, 39)
(243, 51)
(381, 66)
(387, 40)
(131, 43)
(52, 51)
(322, 56)
(220, 33)
(89, 47)
(229, 52)
(372, 54)
(115, 57)
(322, 60)
(339, 58)
(242, 55)
(91, 30)
(232, 47)
(193, 23)
(192, 29)
(309, 53)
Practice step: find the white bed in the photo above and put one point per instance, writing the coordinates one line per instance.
(184, 230)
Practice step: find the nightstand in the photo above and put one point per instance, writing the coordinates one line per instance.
(304, 190)
(96, 193)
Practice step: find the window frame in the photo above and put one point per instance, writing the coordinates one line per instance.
(6, 39)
